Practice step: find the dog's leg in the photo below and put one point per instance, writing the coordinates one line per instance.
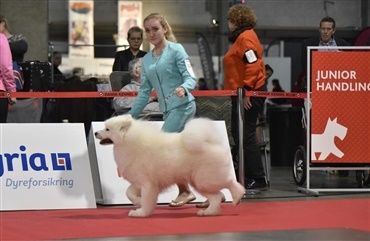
(133, 194)
(214, 207)
(237, 192)
(149, 197)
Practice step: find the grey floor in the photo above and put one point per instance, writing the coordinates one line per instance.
(296, 235)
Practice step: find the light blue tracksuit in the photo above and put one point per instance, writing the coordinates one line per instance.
(166, 73)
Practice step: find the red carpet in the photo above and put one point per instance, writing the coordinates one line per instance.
(248, 216)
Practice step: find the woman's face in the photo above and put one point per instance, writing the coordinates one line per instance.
(268, 74)
(135, 40)
(154, 31)
(57, 59)
(232, 26)
(137, 71)
(2, 26)
(326, 31)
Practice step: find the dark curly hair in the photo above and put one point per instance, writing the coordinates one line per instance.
(242, 16)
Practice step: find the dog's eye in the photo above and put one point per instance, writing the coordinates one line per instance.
(106, 129)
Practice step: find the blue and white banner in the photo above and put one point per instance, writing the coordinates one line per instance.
(81, 29)
(44, 166)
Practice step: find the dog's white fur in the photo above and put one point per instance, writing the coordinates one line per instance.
(152, 161)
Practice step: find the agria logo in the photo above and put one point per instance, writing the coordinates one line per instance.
(34, 161)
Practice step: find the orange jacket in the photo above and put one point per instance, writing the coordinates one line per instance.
(238, 73)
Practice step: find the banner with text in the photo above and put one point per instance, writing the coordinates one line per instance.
(81, 29)
(44, 166)
(129, 15)
(340, 107)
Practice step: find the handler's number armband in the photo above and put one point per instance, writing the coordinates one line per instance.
(250, 56)
(189, 68)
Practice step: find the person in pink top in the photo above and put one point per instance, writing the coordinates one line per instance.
(7, 83)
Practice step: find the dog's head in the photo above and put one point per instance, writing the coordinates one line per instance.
(115, 129)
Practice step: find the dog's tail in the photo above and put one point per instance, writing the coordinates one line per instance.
(200, 131)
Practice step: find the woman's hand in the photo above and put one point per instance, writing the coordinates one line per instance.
(247, 102)
(12, 101)
(180, 92)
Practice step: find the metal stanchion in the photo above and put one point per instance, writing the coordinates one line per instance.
(240, 107)
(51, 53)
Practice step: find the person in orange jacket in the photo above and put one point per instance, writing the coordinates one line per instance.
(244, 67)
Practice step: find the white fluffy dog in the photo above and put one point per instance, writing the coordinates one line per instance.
(153, 160)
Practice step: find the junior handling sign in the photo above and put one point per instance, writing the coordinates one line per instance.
(340, 107)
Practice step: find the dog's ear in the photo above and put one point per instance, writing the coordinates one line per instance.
(125, 125)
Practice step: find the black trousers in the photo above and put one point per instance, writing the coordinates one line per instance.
(3, 109)
(253, 166)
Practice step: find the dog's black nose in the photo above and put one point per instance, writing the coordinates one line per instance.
(96, 133)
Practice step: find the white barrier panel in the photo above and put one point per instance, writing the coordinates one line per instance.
(111, 189)
(44, 166)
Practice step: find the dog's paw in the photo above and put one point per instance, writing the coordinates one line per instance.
(137, 203)
(208, 212)
(138, 213)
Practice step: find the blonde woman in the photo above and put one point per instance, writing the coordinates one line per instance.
(167, 69)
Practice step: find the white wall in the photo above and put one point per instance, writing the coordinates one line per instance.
(282, 71)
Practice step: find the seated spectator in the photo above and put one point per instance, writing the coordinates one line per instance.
(269, 72)
(277, 88)
(75, 110)
(78, 71)
(123, 104)
(202, 84)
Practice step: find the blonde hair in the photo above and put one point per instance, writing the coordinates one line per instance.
(4, 19)
(169, 34)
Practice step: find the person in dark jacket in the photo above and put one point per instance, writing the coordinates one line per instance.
(57, 61)
(277, 88)
(122, 58)
(326, 38)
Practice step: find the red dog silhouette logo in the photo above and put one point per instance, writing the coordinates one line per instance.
(324, 143)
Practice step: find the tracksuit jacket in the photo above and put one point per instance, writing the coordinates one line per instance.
(165, 73)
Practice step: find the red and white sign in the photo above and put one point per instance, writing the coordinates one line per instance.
(340, 131)
(129, 15)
